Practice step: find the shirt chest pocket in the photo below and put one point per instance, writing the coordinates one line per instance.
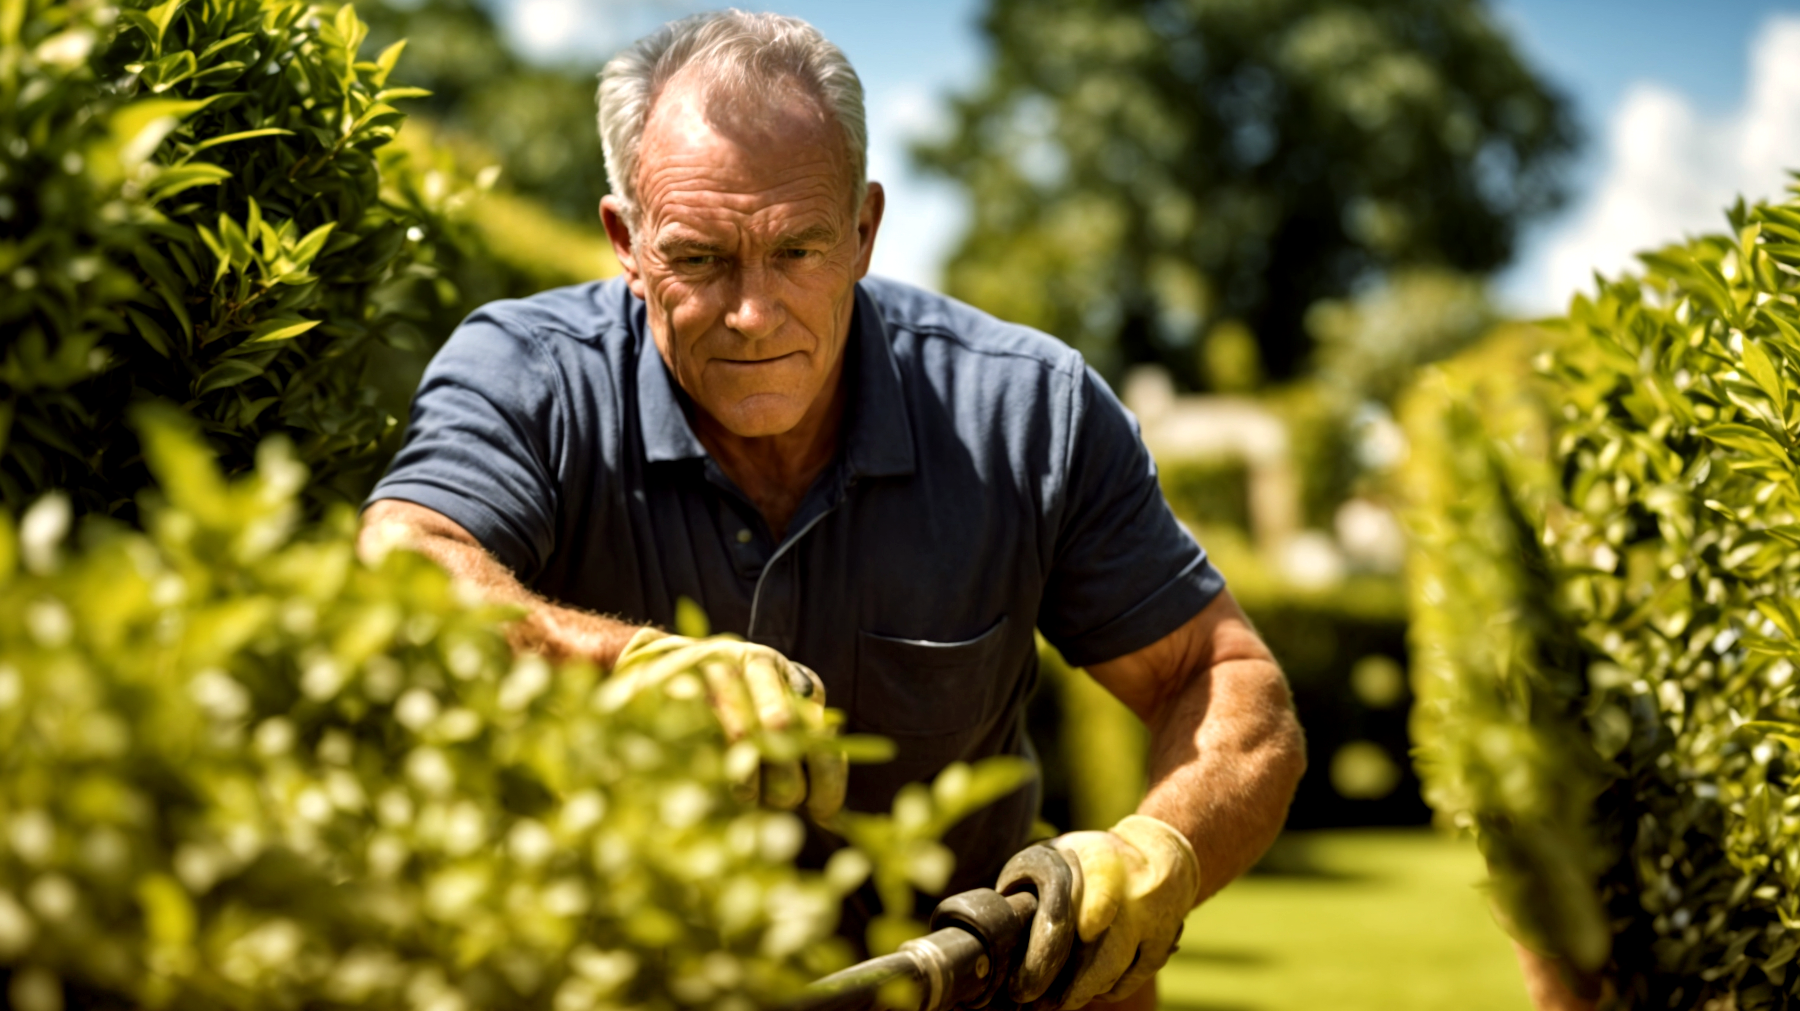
(931, 694)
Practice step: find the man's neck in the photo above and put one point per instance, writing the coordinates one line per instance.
(776, 471)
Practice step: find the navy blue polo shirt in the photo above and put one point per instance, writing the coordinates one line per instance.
(988, 484)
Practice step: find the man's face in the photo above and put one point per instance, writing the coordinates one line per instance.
(747, 253)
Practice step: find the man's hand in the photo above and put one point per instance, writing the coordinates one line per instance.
(1225, 756)
(751, 688)
(1133, 888)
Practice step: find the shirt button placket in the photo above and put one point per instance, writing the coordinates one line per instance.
(775, 613)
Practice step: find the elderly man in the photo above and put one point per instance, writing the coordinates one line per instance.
(879, 483)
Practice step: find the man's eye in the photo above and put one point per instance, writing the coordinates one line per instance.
(798, 254)
(701, 260)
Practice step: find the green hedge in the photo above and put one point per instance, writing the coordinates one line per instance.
(1606, 617)
(245, 769)
(197, 211)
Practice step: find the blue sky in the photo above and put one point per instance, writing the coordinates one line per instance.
(1684, 103)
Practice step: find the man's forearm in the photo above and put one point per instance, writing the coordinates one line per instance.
(553, 630)
(1225, 757)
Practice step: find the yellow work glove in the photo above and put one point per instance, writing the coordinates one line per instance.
(751, 688)
(1133, 888)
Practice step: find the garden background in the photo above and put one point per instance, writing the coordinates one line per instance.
(1265, 226)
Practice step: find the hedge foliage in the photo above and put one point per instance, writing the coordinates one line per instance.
(1607, 620)
(196, 211)
(246, 769)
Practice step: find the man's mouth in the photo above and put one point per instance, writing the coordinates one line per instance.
(759, 361)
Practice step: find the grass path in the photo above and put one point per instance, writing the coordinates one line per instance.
(1382, 920)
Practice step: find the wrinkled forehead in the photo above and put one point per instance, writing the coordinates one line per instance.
(710, 131)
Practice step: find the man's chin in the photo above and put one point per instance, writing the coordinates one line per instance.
(760, 417)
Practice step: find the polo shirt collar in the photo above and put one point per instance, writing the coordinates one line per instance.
(667, 434)
(879, 442)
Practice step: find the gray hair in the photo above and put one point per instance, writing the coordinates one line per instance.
(743, 53)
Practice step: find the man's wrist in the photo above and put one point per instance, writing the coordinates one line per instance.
(560, 633)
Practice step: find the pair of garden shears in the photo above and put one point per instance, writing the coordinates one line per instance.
(1003, 946)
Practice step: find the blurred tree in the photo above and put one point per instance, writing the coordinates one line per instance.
(537, 121)
(1146, 173)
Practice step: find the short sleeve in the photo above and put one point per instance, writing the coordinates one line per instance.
(481, 447)
(1126, 573)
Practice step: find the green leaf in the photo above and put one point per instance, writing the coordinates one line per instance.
(1786, 733)
(217, 246)
(227, 373)
(224, 43)
(155, 21)
(152, 332)
(352, 31)
(690, 619)
(139, 128)
(1764, 373)
(1782, 615)
(867, 748)
(180, 178)
(231, 68)
(170, 71)
(236, 242)
(384, 63)
(268, 131)
(396, 94)
(308, 248)
(142, 22)
(271, 240)
(369, 115)
(1745, 439)
(280, 328)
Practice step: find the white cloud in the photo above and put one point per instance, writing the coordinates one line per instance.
(583, 30)
(1671, 172)
(542, 28)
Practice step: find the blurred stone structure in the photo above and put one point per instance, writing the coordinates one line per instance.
(1211, 428)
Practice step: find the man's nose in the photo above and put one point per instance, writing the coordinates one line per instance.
(757, 310)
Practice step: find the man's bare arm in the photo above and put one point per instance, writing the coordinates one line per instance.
(1225, 749)
(549, 628)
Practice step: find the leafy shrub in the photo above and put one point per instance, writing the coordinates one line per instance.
(195, 205)
(1606, 590)
(489, 244)
(245, 769)
(535, 121)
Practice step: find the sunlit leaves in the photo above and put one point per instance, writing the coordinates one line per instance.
(238, 756)
(1648, 480)
(215, 189)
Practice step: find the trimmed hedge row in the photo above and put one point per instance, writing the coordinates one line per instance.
(1607, 620)
(245, 769)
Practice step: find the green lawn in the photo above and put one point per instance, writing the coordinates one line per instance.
(1384, 920)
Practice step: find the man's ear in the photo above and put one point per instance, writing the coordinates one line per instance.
(868, 222)
(619, 234)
